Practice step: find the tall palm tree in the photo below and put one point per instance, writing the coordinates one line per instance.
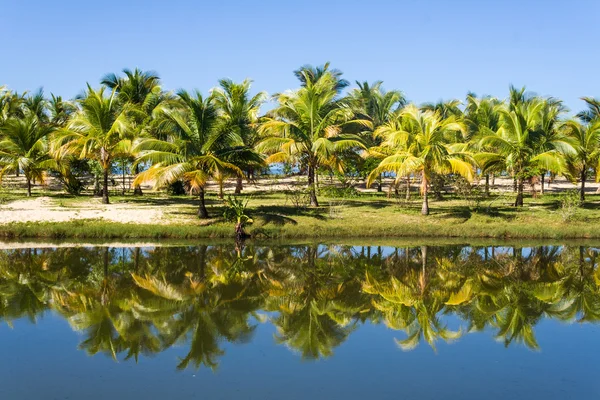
(238, 113)
(307, 74)
(142, 89)
(24, 146)
(373, 103)
(310, 125)
(194, 152)
(586, 142)
(593, 111)
(98, 130)
(134, 87)
(421, 145)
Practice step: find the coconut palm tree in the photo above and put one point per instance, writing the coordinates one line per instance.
(24, 147)
(593, 111)
(373, 103)
(98, 130)
(142, 89)
(517, 145)
(310, 125)
(238, 112)
(586, 142)
(194, 152)
(307, 74)
(420, 145)
(482, 118)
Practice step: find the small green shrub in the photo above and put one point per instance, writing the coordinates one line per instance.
(337, 192)
(569, 203)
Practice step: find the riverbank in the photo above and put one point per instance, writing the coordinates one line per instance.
(277, 216)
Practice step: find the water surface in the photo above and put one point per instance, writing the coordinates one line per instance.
(300, 321)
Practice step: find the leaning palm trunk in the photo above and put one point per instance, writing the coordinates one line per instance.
(311, 187)
(202, 211)
(408, 188)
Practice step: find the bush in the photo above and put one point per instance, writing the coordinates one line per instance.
(176, 188)
(569, 203)
(337, 192)
(299, 197)
(470, 192)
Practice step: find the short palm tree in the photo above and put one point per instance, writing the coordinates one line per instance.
(517, 145)
(24, 147)
(310, 125)
(194, 152)
(420, 145)
(586, 142)
(98, 130)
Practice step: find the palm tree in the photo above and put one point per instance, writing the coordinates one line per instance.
(550, 123)
(307, 74)
(482, 118)
(586, 141)
(194, 152)
(593, 111)
(517, 145)
(238, 113)
(373, 103)
(142, 89)
(420, 145)
(98, 130)
(24, 146)
(310, 125)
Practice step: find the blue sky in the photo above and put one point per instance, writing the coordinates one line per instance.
(430, 50)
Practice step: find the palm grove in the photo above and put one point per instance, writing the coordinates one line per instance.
(186, 139)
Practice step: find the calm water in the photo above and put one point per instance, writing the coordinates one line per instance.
(297, 322)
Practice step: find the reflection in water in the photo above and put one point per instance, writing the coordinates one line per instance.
(129, 302)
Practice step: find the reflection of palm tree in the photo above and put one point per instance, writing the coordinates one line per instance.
(412, 303)
(317, 309)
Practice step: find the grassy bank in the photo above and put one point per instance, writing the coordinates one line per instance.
(372, 216)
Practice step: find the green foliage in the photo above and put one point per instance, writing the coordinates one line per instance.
(569, 203)
(349, 192)
(236, 210)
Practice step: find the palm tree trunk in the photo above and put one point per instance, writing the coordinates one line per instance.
(202, 211)
(311, 186)
(221, 195)
(379, 183)
(407, 188)
(137, 190)
(239, 184)
(28, 187)
(519, 199)
(105, 186)
(425, 207)
(123, 174)
(542, 183)
(487, 185)
(583, 179)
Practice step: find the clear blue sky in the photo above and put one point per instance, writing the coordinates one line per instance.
(431, 50)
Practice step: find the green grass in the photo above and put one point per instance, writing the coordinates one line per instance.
(366, 216)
